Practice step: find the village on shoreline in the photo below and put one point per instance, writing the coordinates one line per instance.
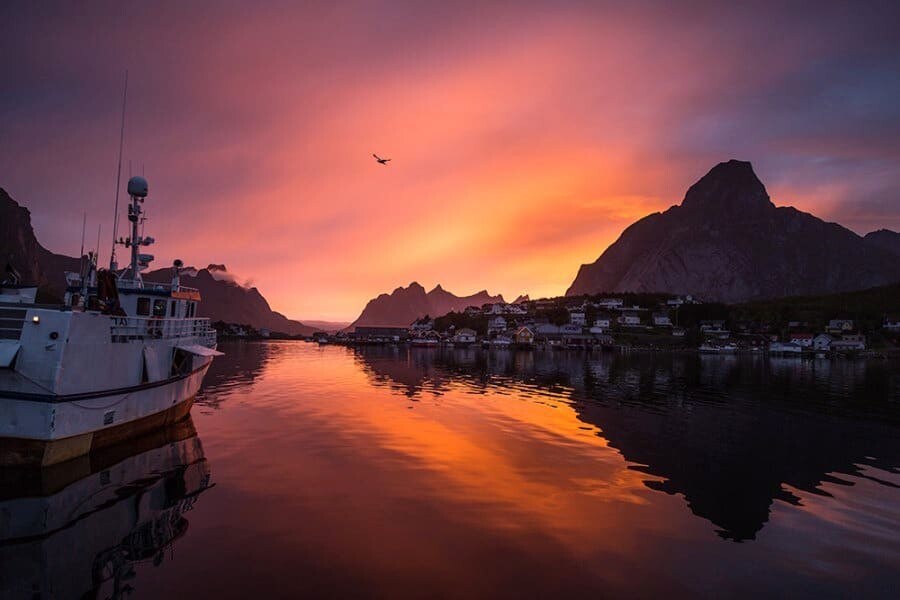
(850, 324)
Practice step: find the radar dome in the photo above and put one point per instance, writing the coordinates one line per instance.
(137, 186)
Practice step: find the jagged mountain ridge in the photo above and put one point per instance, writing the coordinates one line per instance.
(226, 300)
(222, 298)
(21, 250)
(728, 242)
(404, 305)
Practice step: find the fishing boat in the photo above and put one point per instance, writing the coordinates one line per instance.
(119, 357)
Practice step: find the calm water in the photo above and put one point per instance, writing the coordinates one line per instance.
(386, 472)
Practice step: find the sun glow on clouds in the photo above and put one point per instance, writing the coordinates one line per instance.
(522, 142)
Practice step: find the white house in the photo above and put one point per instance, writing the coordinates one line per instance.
(493, 309)
(629, 319)
(515, 309)
(422, 325)
(840, 325)
(892, 323)
(464, 336)
(546, 329)
(661, 319)
(577, 318)
(822, 341)
(849, 341)
(802, 339)
(788, 348)
(609, 303)
(603, 322)
(496, 324)
(712, 325)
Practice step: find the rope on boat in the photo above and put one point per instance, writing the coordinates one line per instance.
(120, 401)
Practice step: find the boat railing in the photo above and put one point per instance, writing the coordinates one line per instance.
(199, 330)
(130, 284)
(73, 281)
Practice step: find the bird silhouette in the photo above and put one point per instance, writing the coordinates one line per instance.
(380, 160)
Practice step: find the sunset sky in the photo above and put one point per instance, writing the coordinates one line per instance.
(524, 135)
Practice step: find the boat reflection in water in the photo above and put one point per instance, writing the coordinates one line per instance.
(78, 529)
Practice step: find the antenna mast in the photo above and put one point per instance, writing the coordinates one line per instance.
(83, 225)
(113, 265)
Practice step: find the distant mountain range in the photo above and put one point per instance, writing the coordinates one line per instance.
(728, 242)
(404, 305)
(223, 298)
(226, 300)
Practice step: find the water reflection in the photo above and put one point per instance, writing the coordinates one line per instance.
(730, 434)
(388, 472)
(79, 529)
(238, 368)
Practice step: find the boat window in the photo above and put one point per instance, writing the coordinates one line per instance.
(143, 307)
(172, 305)
(92, 303)
(159, 308)
(191, 308)
(75, 299)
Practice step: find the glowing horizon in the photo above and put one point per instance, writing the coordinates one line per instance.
(523, 141)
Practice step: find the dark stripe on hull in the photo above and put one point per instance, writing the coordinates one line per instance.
(57, 398)
(18, 452)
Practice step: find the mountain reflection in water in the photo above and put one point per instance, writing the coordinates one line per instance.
(726, 432)
(395, 472)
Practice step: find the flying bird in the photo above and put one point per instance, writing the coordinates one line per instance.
(380, 160)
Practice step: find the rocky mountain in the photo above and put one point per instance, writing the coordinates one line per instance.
(404, 305)
(223, 298)
(885, 239)
(21, 250)
(226, 300)
(728, 242)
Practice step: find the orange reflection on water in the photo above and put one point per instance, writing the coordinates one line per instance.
(503, 467)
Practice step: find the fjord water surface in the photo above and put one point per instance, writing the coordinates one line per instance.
(395, 472)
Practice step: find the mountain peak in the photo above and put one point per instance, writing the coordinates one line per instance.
(730, 186)
(405, 305)
(727, 242)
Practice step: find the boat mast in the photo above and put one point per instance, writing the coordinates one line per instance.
(137, 190)
(113, 265)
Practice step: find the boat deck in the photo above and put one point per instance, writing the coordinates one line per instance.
(15, 383)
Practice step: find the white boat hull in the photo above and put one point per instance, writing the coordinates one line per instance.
(42, 431)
